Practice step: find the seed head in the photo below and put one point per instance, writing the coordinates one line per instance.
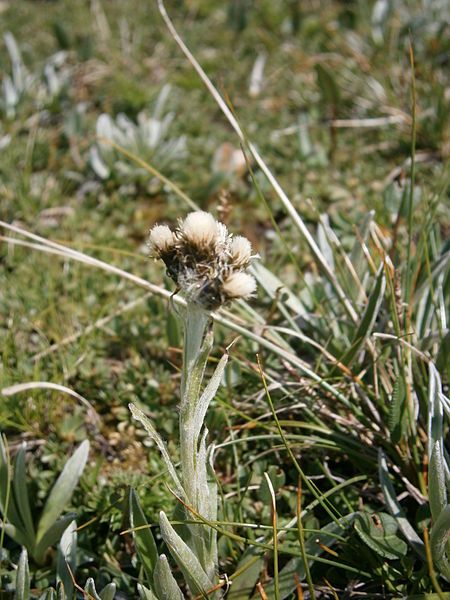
(241, 251)
(200, 229)
(161, 240)
(204, 260)
(239, 285)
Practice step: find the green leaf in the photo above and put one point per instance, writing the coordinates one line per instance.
(440, 534)
(22, 578)
(108, 592)
(16, 534)
(52, 536)
(138, 415)
(368, 318)
(395, 509)
(244, 583)
(90, 589)
(62, 491)
(395, 419)
(437, 489)
(145, 593)
(21, 496)
(67, 557)
(435, 410)
(143, 538)
(165, 584)
(196, 578)
(7, 500)
(379, 532)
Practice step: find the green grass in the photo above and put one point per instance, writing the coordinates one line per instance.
(326, 62)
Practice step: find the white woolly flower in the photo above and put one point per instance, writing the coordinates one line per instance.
(200, 228)
(239, 285)
(241, 251)
(161, 239)
(204, 260)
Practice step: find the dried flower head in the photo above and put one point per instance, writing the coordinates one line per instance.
(204, 260)
(161, 240)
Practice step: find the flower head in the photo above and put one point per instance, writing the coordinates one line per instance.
(204, 260)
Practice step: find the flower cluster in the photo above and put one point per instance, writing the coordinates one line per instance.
(206, 262)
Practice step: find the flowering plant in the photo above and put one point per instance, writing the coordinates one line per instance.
(209, 267)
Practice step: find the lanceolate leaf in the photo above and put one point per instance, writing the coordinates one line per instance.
(90, 589)
(368, 318)
(7, 501)
(208, 394)
(108, 592)
(67, 557)
(437, 489)
(21, 495)
(396, 410)
(395, 509)
(52, 536)
(145, 593)
(62, 491)
(154, 435)
(244, 583)
(165, 584)
(22, 578)
(440, 534)
(435, 409)
(196, 578)
(143, 537)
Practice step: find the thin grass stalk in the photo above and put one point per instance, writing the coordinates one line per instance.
(273, 510)
(301, 541)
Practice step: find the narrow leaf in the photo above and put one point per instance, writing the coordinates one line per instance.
(396, 406)
(49, 594)
(90, 589)
(196, 578)
(145, 593)
(440, 534)
(208, 394)
(435, 409)
(154, 435)
(368, 318)
(62, 491)
(22, 578)
(165, 584)
(250, 566)
(108, 592)
(437, 489)
(143, 537)
(21, 495)
(52, 536)
(67, 557)
(395, 509)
